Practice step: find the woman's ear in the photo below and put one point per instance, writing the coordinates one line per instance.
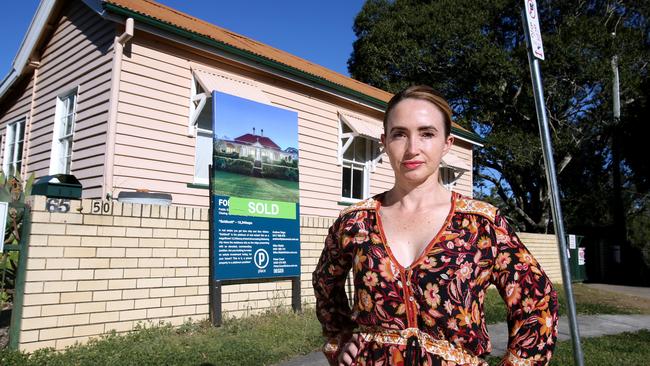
(449, 141)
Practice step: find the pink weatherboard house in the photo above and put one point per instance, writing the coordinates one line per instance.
(110, 91)
(118, 93)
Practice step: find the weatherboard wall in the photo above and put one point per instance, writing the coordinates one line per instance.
(152, 148)
(18, 108)
(154, 151)
(76, 56)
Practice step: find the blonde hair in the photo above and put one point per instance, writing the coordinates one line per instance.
(422, 92)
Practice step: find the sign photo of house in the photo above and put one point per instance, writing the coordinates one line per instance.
(254, 164)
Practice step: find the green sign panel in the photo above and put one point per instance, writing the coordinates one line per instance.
(262, 208)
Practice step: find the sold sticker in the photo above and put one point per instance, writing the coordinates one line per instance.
(262, 208)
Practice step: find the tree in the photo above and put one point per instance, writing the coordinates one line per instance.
(637, 187)
(474, 53)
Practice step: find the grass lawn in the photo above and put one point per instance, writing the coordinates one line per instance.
(629, 349)
(238, 185)
(279, 335)
(588, 301)
(256, 340)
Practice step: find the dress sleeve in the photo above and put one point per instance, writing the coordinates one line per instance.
(332, 307)
(530, 298)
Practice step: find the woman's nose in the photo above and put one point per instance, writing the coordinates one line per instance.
(413, 146)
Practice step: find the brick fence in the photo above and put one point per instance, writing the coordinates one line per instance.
(108, 266)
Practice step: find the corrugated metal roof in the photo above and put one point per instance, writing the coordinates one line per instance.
(211, 79)
(453, 161)
(194, 25)
(363, 127)
(197, 26)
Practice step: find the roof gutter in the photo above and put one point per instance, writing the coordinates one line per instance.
(377, 103)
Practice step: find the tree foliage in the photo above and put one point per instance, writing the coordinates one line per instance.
(474, 52)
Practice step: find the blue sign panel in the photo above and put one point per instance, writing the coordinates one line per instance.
(256, 220)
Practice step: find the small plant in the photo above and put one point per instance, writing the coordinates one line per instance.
(12, 191)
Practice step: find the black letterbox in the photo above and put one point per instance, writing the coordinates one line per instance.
(58, 186)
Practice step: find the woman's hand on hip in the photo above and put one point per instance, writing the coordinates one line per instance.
(349, 351)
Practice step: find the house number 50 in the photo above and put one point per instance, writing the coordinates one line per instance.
(99, 207)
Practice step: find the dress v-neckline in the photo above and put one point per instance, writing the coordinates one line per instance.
(434, 240)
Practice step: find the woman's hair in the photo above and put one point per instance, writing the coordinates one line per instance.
(422, 92)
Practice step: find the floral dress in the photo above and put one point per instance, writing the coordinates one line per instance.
(431, 313)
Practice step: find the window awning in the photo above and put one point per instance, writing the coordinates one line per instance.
(212, 79)
(454, 162)
(362, 127)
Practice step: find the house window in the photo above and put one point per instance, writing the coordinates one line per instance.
(452, 168)
(356, 156)
(13, 149)
(448, 177)
(201, 128)
(64, 121)
(204, 81)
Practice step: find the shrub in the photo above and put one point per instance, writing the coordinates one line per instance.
(219, 163)
(13, 191)
(231, 155)
(239, 166)
(279, 172)
(292, 163)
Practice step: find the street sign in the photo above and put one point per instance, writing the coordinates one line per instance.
(533, 29)
(533, 37)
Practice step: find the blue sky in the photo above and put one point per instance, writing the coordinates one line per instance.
(319, 31)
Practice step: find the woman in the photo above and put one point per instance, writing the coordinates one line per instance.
(422, 259)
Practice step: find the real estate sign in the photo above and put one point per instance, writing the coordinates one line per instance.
(255, 205)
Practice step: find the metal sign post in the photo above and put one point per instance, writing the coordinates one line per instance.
(536, 52)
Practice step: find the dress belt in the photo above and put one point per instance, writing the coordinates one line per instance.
(413, 339)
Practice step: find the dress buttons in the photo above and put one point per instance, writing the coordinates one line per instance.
(411, 298)
(408, 283)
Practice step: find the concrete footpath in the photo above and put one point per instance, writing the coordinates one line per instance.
(589, 326)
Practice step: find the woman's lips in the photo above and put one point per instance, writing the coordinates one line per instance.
(412, 164)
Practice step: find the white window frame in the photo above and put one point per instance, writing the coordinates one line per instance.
(200, 133)
(58, 162)
(17, 143)
(197, 103)
(201, 93)
(449, 175)
(367, 165)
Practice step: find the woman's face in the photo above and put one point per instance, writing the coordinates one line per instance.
(415, 140)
